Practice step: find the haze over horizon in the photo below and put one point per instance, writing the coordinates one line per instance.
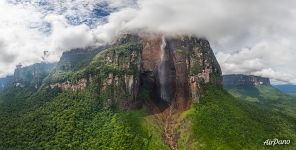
(249, 37)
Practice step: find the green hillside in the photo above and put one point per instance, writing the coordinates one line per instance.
(54, 119)
(69, 120)
(221, 121)
(267, 96)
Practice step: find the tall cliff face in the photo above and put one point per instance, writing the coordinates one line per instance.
(240, 80)
(174, 68)
(163, 74)
(165, 70)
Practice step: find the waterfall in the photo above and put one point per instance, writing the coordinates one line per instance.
(163, 73)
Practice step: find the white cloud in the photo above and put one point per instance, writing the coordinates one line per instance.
(21, 40)
(274, 59)
(223, 21)
(16, 37)
(65, 36)
(251, 37)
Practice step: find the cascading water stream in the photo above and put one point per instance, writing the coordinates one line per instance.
(163, 73)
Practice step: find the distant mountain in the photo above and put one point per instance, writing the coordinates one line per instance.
(287, 88)
(258, 89)
(30, 76)
(239, 80)
(5, 82)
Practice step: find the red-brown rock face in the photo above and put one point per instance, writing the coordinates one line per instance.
(158, 70)
(151, 53)
(173, 69)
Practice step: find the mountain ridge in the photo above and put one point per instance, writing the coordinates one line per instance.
(287, 88)
(237, 80)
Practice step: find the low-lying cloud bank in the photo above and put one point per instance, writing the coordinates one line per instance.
(273, 59)
(250, 37)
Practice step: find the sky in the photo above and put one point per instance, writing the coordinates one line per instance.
(248, 36)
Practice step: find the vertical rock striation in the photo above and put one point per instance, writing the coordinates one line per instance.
(175, 68)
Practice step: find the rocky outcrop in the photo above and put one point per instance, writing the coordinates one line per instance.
(79, 85)
(117, 74)
(239, 80)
